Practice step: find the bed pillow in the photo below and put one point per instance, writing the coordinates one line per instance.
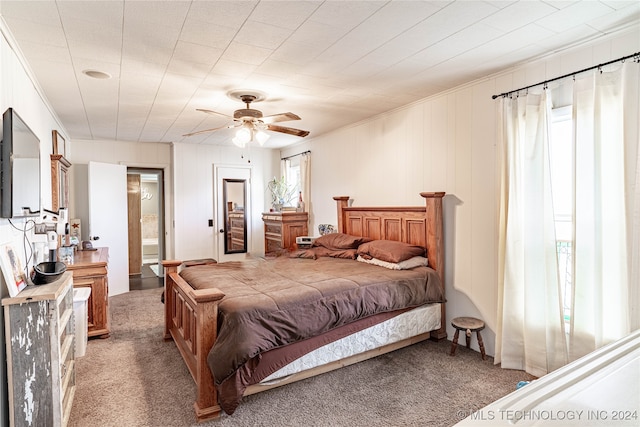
(389, 250)
(339, 241)
(416, 261)
(303, 253)
(315, 253)
(335, 253)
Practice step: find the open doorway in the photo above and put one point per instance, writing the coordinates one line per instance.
(146, 222)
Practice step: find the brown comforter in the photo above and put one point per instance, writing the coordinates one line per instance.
(272, 303)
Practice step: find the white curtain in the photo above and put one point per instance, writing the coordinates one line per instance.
(606, 243)
(606, 136)
(305, 179)
(531, 328)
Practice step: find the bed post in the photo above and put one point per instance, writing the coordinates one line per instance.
(343, 202)
(435, 247)
(170, 266)
(206, 404)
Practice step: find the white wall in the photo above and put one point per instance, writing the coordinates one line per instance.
(131, 154)
(194, 204)
(446, 142)
(18, 90)
(189, 174)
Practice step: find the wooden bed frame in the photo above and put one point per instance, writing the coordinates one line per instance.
(191, 315)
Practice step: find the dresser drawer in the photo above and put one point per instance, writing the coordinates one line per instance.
(273, 245)
(273, 227)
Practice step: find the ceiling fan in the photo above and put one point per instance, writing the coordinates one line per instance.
(251, 123)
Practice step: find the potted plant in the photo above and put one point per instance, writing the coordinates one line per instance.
(281, 193)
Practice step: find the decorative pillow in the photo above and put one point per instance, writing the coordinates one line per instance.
(416, 261)
(326, 229)
(389, 250)
(339, 241)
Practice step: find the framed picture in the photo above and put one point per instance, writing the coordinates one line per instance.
(58, 144)
(12, 271)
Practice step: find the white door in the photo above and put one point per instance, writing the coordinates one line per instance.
(239, 173)
(108, 220)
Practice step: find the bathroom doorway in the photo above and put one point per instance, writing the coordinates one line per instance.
(145, 191)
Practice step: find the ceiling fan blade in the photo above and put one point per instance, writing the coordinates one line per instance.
(282, 117)
(290, 131)
(207, 130)
(214, 113)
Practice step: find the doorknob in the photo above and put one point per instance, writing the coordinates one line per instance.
(222, 230)
(94, 237)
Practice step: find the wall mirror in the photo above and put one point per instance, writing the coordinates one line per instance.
(234, 192)
(19, 168)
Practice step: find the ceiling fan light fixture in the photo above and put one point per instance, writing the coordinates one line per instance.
(238, 143)
(243, 135)
(261, 137)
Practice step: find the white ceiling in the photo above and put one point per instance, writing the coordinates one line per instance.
(332, 63)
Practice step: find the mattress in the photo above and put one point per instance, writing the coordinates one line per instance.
(406, 325)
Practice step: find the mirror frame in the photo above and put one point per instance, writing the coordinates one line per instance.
(228, 235)
(59, 182)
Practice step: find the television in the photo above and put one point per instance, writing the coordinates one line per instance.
(19, 168)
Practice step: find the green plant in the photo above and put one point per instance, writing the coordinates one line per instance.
(281, 192)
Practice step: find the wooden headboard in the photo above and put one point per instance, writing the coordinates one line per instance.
(416, 225)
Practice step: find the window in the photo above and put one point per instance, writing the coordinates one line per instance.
(562, 182)
(292, 174)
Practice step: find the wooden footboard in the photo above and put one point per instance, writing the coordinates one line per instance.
(191, 321)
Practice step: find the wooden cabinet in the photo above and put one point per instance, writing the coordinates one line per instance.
(281, 230)
(89, 269)
(40, 341)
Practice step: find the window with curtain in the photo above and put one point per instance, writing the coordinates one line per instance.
(296, 170)
(292, 173)
(562, 184)
(569, 221)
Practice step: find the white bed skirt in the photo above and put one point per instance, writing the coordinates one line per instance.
(406, 325)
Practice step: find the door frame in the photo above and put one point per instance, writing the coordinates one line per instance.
(160, 175)
(134, 206)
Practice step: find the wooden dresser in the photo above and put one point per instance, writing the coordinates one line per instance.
(237, 232)
(40, 341)
(281, 230)
(89, 269)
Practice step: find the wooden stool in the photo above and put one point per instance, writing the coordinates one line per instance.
(469, 325)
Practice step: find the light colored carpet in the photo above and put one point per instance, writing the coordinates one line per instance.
(136, 379)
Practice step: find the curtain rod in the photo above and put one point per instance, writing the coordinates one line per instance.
(294, 155)
(635, 55)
